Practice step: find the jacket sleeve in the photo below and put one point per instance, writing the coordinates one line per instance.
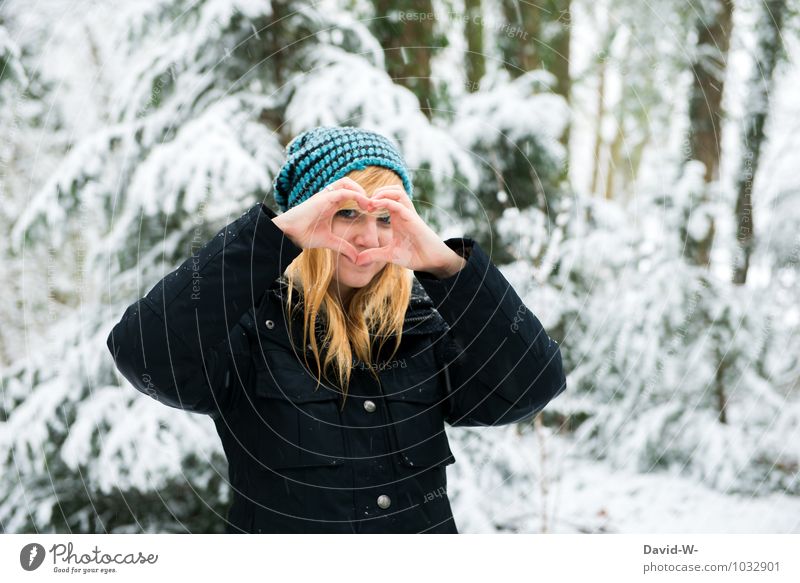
(180, 343)
(500, 365)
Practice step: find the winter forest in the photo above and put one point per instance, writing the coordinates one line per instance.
(630, 166)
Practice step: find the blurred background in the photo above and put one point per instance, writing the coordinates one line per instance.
(631, 168)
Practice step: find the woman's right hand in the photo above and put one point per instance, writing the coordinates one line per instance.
(308, 224)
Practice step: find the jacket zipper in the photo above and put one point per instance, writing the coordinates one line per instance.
(415, 318)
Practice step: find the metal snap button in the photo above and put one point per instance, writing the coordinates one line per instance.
(384, 501)
(369, 406)
(270, 324)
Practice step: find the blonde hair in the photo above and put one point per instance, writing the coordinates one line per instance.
(376, 310)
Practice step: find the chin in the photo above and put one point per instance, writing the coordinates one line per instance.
(356, 280)
(355, 277)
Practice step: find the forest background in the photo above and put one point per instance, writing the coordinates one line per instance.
(631, 167)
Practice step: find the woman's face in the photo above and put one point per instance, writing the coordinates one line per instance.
(363, 231)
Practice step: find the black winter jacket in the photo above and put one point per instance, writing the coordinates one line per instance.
(212, 337)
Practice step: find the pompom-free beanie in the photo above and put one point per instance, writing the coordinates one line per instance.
(324, 154)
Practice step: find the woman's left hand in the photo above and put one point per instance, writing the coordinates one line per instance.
(414, 244)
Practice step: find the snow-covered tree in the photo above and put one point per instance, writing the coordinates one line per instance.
(670, 365)
(196, 100)
(188, 139)
(518, 157)
(149, 125)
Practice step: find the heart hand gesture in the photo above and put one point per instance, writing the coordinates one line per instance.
(308, 224)
(414, 244)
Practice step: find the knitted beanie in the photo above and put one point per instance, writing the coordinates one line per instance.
(324, 154)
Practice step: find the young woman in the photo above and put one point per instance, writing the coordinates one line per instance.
(332, 342)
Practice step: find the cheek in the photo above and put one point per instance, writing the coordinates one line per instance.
(339, 228)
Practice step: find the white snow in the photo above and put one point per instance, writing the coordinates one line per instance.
(132, 128)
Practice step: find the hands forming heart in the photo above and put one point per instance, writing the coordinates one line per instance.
(413, 244)
(308, 224)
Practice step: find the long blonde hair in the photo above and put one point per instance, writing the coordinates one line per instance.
(376, 310)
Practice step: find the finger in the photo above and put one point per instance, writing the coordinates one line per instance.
(342, 198)
(361, 200)
(374, 254)
(343, 195)
(404, 252)
(342, 246)
(394, 207)
(347, 183)
(395, 193)
(335, 199)
(391, 188)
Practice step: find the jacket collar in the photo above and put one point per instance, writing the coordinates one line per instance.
(421, 316)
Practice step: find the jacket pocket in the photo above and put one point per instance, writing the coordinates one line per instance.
(299, 424)
(416, 402)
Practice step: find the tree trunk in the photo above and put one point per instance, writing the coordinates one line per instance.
(409, 44)
(768, 29)
(560, 53)
(705, 101)
(537, 35)
(473, 31)
(598, 128)
(614, 162)
(519, 41)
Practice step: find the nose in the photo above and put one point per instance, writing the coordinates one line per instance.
(366, 233)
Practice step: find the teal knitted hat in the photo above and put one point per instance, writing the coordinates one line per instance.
(324, 154)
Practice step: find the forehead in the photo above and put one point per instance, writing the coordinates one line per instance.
(373, 177)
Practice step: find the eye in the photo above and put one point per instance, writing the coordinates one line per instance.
(339, 213)
(386, 219)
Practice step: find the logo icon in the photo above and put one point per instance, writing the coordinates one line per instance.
(31, 556)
